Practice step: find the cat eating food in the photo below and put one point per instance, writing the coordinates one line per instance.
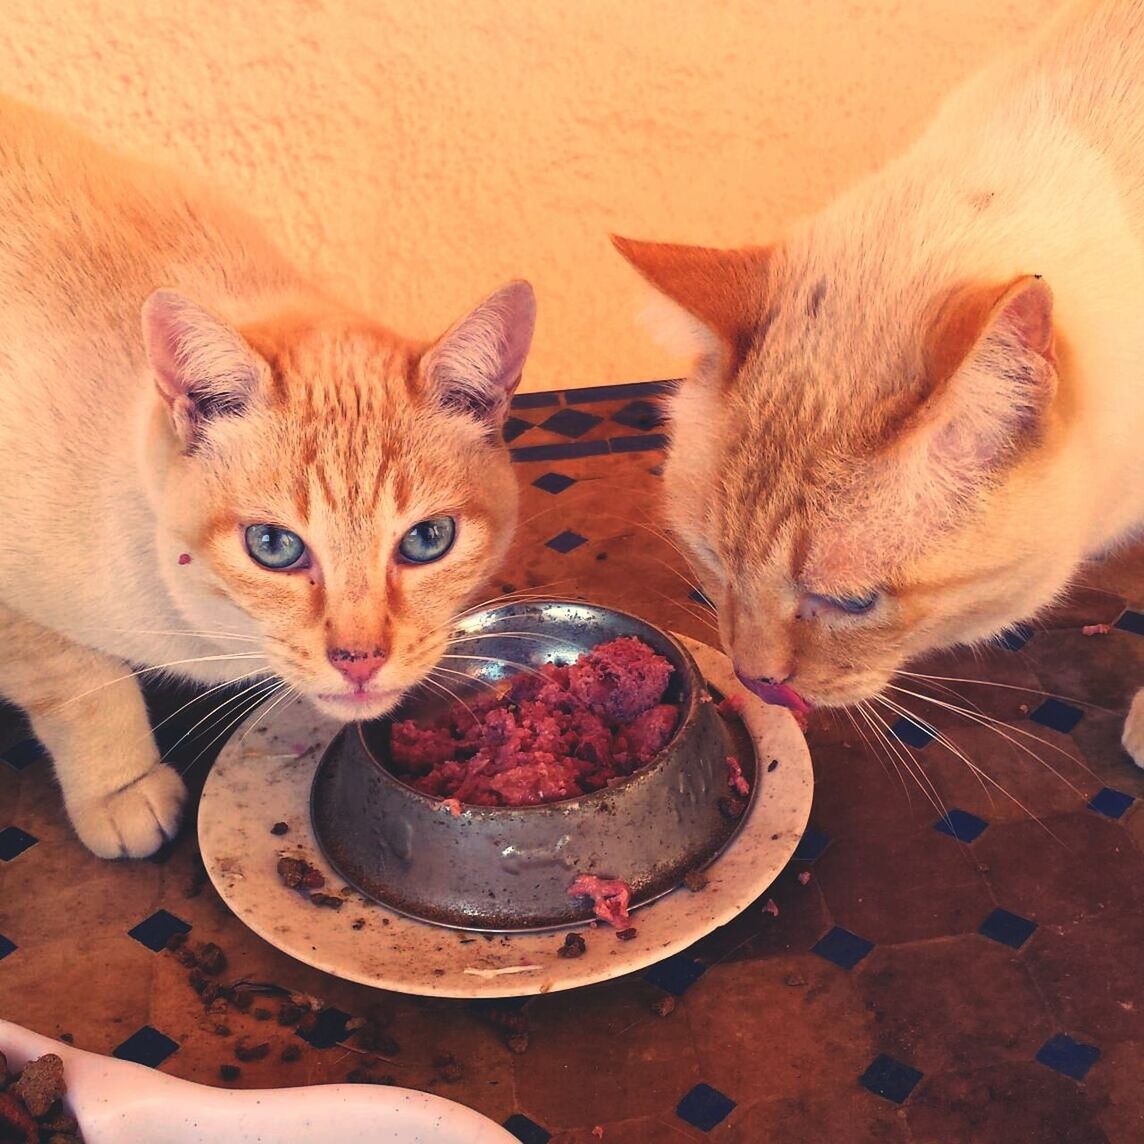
(213, 469)
(913, 418)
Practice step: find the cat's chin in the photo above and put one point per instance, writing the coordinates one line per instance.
(356, 706)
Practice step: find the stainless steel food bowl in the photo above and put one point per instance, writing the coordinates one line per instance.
(509, 868)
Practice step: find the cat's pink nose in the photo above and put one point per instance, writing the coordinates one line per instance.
(359, 667)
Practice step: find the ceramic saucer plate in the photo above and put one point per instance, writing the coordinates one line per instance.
(263, 776)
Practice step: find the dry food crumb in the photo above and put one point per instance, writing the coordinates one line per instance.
(736, 780)
(329, 901)
(359, 924)
(448, 1067)
(774, 764)
(574, 946)
(212, 960)
(15, 1118)
(627, 934)
(298, 874)
(290, 1014)
(280, 828)
(290, 1053)
(68, 1038)
(247, 1050)
(517, 1043)
(696, 880)
(664, 1006)
(41, 1084)
(229, 1072)
(1096, 629)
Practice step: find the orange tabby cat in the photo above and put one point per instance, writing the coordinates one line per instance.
(913, 417)
(210, 467)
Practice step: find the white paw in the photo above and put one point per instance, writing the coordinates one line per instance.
(135, 821)
(1133, 739)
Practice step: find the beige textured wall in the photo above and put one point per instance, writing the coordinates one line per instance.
(419, 152)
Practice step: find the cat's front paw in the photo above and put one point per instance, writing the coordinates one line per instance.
(1133, 738)
(135, 821)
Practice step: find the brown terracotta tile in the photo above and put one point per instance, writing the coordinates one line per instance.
(1089, 975)
(1086, 865)
(989, 681)
(1022, 777)
(862, 788)
(1097, 736)
(1003, 1104)
(645, 1130)
(1081, 607)
(1114, 1091)
(778, 1028)
(637, 1061)
(756, 932)
(895, 888)
(850, 1114)
(955, 1004)
(1103, 671)
(52, 986)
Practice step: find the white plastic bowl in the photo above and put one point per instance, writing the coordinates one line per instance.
(118, 1102)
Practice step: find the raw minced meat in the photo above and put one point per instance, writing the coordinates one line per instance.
(610, 898)
(556, 733)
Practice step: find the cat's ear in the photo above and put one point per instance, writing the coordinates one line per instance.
(992, 370)
(475, 368)
(203, 368)
(723, 293)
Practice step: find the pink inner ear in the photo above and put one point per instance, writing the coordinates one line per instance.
(478, 364)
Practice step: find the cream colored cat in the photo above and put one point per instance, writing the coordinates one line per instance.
(208, 464)
(913, 417)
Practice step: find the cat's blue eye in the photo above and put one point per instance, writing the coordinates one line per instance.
(275, 548)
(428, 540)
(854, 605)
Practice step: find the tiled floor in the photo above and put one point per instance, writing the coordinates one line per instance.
(972, 975)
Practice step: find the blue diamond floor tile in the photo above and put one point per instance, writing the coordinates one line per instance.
(1111, 803)
(960, 824)
(811, 846)
(328, 1030)
(554, 483)
(1007, 928)
(514, 427)
(23, 754)
(14, 841)
(565, 542)
(889, 1078)
(1015, 638)
(7, 946)
(912, 732)
(626, 390)
(154, 932)
(704, 1107)
(1057, 716)
(843, 948)
(1071, 1058)
(641, 444)
(639, 415)
(676, 974)
(534, 400)
(526, 1131)
(146, 1046)
(570, 422)
(1131, 622)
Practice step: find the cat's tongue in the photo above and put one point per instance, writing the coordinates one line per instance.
(780, 695)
